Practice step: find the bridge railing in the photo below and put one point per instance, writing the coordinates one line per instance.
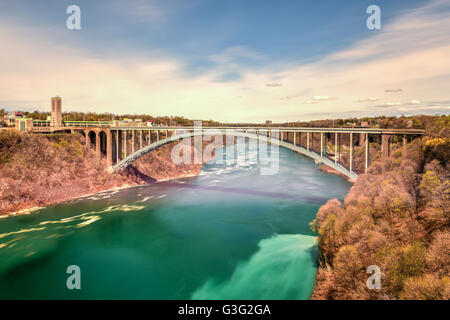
(103, 124)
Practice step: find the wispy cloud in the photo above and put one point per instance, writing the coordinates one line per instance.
(323, 98)
(274, 84)
(368, 100)
(235, 54)
(396, 104)
(393, 90)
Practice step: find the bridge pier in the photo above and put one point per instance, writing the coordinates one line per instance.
(307, 141)
(336, 142)
(133, 147)
(366, 139)
(109, 148)
(351, 152)
(88, 140)
(362, 139)
(404, 148)
(97, 145)
(339, 147)
(321, 144)
(385, 145)
(118, 146)
(125, 144)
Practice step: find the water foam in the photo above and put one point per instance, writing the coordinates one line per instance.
(282, 268)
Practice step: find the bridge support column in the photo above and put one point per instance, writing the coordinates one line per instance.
(321, 144)
(312, 141)
(366, 138)
(335, 147)
(295, 143)
(157, 135)
(404, 148)
(339, 147)
(117, 146)
(362, 137)
(141, 142)
(109, 145)
(351, 152)
(97, 145)
(307, 141)
(385, 145)
(132, 141)
(149, 137)
(88, 140)
(125, 144)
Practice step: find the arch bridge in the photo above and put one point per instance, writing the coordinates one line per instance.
(334, 147)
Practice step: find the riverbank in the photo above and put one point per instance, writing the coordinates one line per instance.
(395, 217)
(330, 170)
(207, 237)
(38, 171)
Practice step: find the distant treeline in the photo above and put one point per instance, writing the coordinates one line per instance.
(93, 116)
(403, 122)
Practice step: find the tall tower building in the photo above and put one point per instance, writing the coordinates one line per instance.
(56, 118)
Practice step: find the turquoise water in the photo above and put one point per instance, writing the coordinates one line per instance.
(229, 233)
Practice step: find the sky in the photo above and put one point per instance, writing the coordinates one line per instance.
(230, 61)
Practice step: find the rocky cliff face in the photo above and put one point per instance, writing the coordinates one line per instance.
(38, 170)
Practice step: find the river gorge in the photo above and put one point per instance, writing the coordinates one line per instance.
(228, 233)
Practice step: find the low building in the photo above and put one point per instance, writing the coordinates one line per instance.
(10, 118)
(24, 124)
(128, 123)
(268, 123)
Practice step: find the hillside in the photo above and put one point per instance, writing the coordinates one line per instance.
(38, 170)
(395, 217)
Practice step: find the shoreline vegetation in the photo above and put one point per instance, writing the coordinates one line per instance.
(29, 210)
(396, 217)
(41, 170)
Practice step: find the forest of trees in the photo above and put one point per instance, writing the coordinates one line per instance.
(93, 116)
(395, 217)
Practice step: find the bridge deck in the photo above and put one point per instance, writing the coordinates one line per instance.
(281, 129)
(289, 129)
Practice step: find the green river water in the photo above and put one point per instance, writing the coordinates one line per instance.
(229, 233)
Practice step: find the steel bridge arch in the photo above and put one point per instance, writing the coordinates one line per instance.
(143, 151)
